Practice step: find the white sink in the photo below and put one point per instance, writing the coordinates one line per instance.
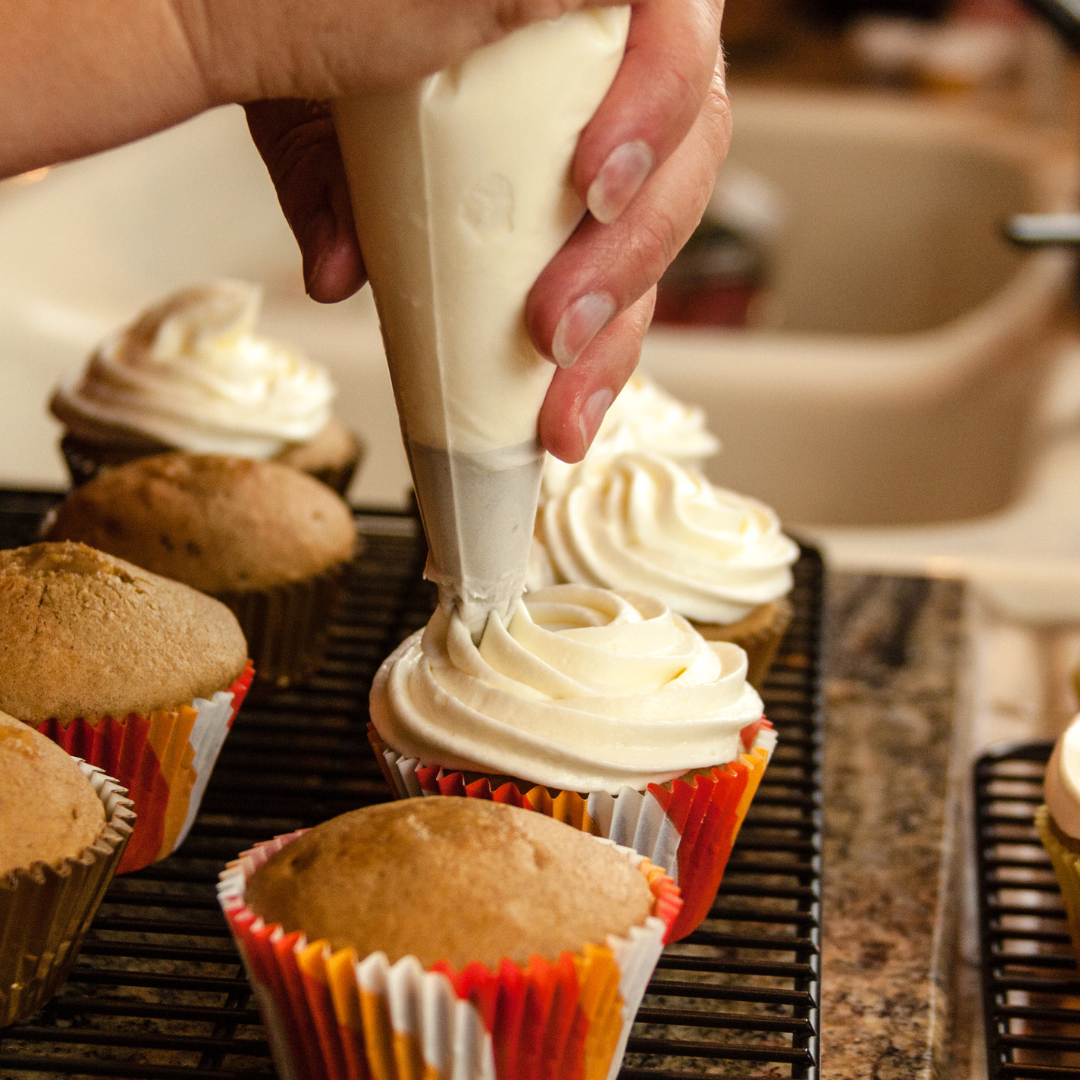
(906, 342)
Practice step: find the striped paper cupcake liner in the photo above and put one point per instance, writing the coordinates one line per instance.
(164, 760)
(687, 826)
(336, 1016)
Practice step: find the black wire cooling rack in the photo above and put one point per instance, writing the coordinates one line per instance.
(158, 993)
(1031, 985)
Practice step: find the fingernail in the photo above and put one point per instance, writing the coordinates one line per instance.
(626, 169)
(320, 235)
(592, 415)
(580, 323)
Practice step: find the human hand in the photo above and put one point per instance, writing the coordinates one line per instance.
(664, 125)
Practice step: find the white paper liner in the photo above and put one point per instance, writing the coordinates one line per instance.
(207, 738)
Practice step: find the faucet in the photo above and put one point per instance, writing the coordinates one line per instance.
(1060, 229)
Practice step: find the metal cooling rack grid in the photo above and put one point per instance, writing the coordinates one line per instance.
(1031, 985)
(158, 994)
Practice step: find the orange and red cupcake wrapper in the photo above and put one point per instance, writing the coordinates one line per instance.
(164, 760)
(334, 1016)
(687, 826)
(45, 910)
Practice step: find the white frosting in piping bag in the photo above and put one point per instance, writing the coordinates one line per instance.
(191, 373)
(583, 690)
(638, 520)
(1061, 788)
(461, 194)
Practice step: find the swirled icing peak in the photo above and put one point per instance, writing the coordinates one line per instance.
(582, 689)
(1061, 788)
(641, 521)
(190, 373)
(644, 416)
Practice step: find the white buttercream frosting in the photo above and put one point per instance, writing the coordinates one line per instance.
(192, 374)
(583, 689)
(644, 416)
(1061, 788)
(641, 521)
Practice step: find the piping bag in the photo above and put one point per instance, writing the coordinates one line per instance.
(461, 195)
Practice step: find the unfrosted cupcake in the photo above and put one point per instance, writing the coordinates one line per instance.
(63, 829)
(447, 938)
(138, 675)
(191, 374)
(603, 709)
(639, 520)
(265, 539)
(1058, 823)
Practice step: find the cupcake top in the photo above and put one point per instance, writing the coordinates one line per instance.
(643, 416)
(50, 811)
(638, 520)
(85, 635)
(219, 524)
(191, 373)
(1061, 788)
(582, 690)
(458, 880)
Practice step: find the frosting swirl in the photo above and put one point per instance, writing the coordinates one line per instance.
(641, 521)
(1061, 788)
(583, 689)
(191, 374)
(643, 417)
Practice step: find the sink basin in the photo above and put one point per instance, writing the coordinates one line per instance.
(904, 343)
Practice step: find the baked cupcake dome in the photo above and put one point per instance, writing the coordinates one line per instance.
(268, 540)
(138, 674)
(402, 880)
(63, 829)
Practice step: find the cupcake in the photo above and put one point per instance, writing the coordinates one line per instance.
(265, 539)
(63, 829)
(1058, 823)
(447, 938)
(138, 675)
(191, 374)
(603, 709)
(639, 520)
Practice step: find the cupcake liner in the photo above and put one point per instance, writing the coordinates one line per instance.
(45, 910)
(287, 627)
(1067, 868)
(86, 458)
(334, 1016)
(687, 826)
(758, 635)
(163, 760)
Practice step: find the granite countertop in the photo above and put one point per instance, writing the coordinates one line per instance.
(897, 1001)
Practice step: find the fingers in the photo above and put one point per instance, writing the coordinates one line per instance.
(579, 396)
(662, 83)
(603, 269)
(297, 141)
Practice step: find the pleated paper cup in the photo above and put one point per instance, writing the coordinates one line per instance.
(287, 627)
(164, 760)
(687, 826)
(1064, 852)
(337, 1016)
(45, 910)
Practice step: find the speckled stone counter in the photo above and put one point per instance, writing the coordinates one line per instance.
(891, 1004)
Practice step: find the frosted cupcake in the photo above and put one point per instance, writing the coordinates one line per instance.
(192, 374)
(1058, 823)
(644, 416)
(136, 674)
(603, 709)
(447, 938)
(639, 520)
(63, 828)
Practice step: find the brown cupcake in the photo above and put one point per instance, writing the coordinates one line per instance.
(267, 540)
(451, 879)
(135, 673)
(62, 835)
(757, 633)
